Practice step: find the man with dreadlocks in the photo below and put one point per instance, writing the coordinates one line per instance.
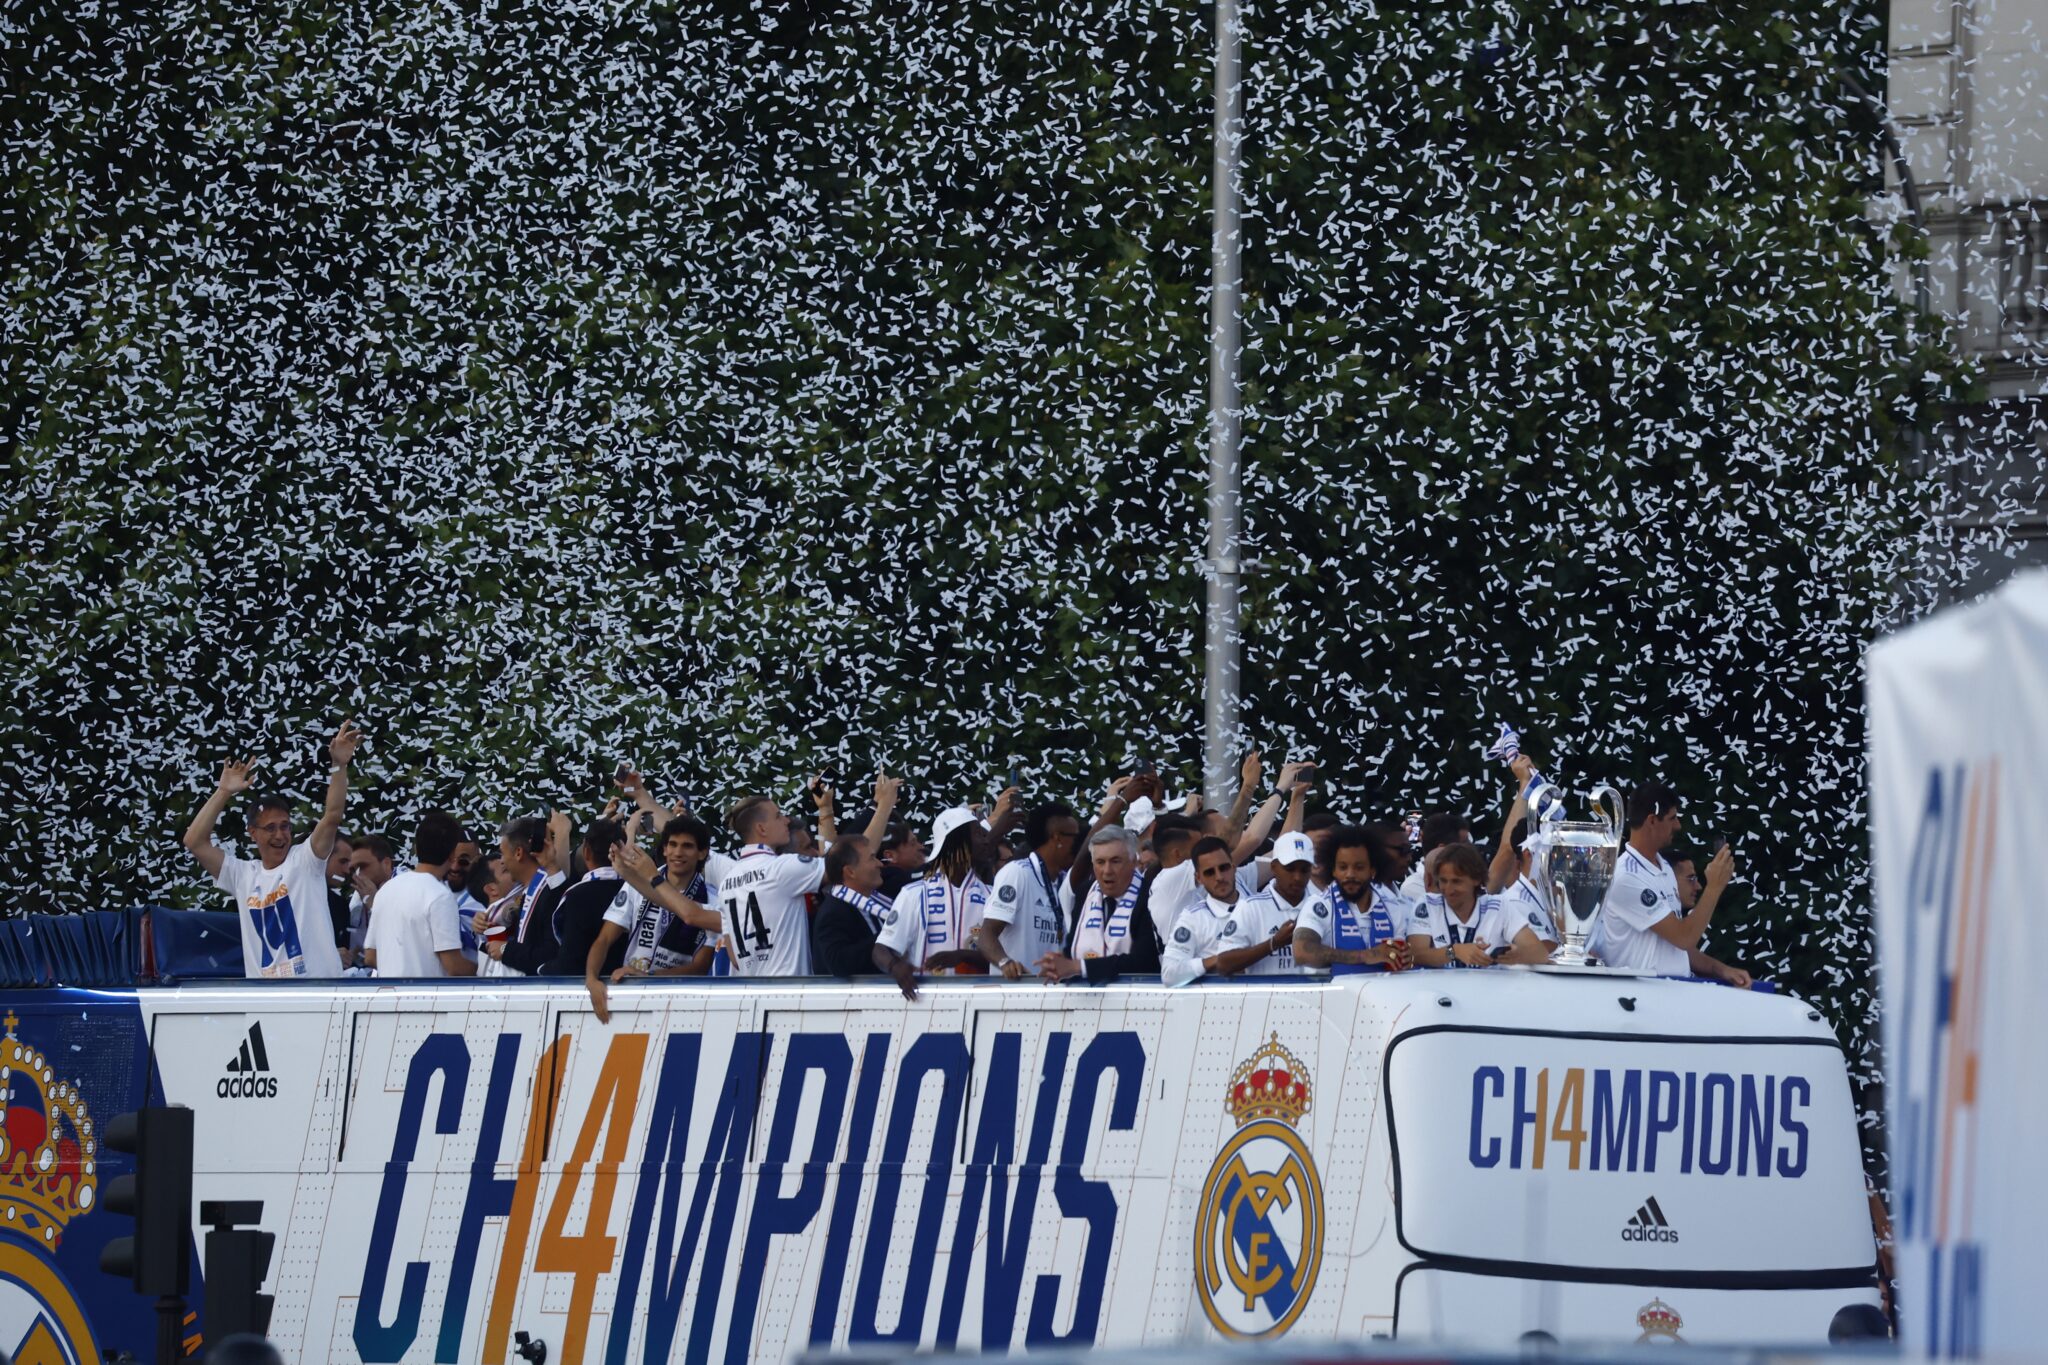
(931, 926)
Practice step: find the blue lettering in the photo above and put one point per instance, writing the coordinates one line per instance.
(1755, 1129)
(945, 1054)
(860, 1137)
(734, 1122)
(1618, 1127)
(447, 1056)
(1686, 1126)
(1662, 1119)
(1520, 1118)
(489, 1197)
(1717, 1119)
(1089, 1201)
(1009, 1223)
(1486, 1155)
(777, 1215)
(1793, 1165)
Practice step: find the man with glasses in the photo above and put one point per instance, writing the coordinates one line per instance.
(281, 894)
(1214, 937)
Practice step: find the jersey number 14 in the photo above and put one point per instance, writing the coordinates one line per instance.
(740, 932)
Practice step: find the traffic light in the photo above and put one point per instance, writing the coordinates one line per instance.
(158, 1196)
(237, 1262)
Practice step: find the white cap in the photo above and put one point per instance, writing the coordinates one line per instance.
(1139, 815)
(1293, 848)
(948, 821)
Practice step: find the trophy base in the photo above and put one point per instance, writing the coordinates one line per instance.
(1571, 957)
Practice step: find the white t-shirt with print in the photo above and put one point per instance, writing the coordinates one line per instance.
(761, 898)
(286, 928)
(412, 919)
(1642, 893)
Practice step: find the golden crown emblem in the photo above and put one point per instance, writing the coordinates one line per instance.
(47, 1146)
(1270, 1084)
(1658, 1319)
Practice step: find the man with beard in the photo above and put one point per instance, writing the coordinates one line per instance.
(1346, 929)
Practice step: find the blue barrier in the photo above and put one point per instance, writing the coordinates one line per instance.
(197, 945)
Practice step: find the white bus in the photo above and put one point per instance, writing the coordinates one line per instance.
(745, 1171)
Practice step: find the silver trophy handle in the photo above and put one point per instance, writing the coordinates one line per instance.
(1609, 806)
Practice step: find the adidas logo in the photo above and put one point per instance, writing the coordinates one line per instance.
(1649, 1225)
(248, 1073)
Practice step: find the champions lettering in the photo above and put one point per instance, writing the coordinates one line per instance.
(714, 1187)
(1601, 1119)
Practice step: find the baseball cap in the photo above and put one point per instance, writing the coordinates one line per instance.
(1293, 847)
(949, 820)
(1138, 817)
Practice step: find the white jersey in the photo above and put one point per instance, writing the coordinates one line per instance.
(1260, 917)
(286, 929)
(1033, 906)
(1644, 891)
(933, 916)
(1100, 935)
(1174, 892)
(412, 922)
(1488, 926)
(761, 898)
(1526, 900)
(1204, 930)
(657, 940)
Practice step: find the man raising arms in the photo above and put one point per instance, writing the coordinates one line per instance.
(281, 896)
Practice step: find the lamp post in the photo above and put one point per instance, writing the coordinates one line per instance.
(1225, 559)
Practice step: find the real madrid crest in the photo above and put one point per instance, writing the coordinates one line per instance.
(1259, 1233)
(48, 1177)
(1659, 1321)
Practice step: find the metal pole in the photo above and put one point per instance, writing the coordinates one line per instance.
(1225, 430)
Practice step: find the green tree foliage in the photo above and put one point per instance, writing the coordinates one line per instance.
(745, 389)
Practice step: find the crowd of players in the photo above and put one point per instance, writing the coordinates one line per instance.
(1137, 888)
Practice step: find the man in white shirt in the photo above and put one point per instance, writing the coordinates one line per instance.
(1213, 938)
(1174, 889)
(1030, 904)
(1642, 925)
(1522, 901)
(931, 926)
(281, 895)
(1287, 900)
(761, 894)
(1461, 927)
(413, 929)
(659, 942)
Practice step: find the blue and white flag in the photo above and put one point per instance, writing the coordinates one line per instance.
(1508, 747)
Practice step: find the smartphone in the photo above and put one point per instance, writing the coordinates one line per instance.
(1144, 767)
(1412, 822)
(1010, 777)
(1720, 842)
(621, 773)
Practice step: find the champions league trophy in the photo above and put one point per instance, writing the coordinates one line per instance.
(1574, 863)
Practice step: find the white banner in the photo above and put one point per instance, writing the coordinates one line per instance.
(1623, 1154)
(1958, 796)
